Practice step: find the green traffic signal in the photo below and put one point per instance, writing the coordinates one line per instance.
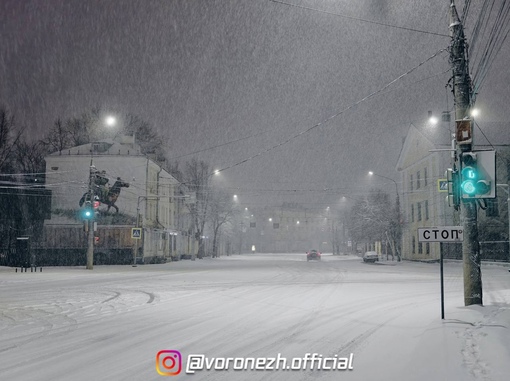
(469, 177)
(475, 178)
(87, 212)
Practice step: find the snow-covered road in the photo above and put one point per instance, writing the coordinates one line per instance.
(111, 322)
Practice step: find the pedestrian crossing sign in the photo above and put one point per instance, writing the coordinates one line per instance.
(136, 233)
(442, 185)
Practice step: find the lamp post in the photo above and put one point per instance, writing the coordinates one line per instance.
(90, 222)
(398, 230)
(109, 121)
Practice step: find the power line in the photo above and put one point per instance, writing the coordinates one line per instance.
(323, 122)
(219, 145)
(359, 19)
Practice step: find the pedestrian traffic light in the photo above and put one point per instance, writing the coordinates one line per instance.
(478, 174)
(452, 176)
(87, 212)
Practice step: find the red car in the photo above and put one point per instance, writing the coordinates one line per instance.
(313, 255)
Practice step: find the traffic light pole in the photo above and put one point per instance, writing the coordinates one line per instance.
(90, 222)
(462, 95)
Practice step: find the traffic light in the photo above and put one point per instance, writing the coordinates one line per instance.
(87, 213)
(452, 176)
(95, 206)
(478, 174)
(469, 174)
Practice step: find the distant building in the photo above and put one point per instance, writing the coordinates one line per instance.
(287, 229)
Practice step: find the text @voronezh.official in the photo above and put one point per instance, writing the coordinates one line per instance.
(170, 363)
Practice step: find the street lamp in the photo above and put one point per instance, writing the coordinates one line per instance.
(432, 119)
(397, 212)
(109, 121)
(387, 178)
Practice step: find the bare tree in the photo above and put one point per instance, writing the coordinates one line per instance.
(370, 218)
(148, 139)
(58, 137)
(8, 139)
(29, 159)
(196, 179)
(89, 127)
(221, 212)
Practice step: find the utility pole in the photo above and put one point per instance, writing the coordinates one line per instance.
(462, 96)
(90, 222)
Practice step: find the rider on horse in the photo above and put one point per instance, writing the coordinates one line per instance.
(100, 182)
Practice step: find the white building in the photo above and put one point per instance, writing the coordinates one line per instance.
(153, 194)
(423, 204)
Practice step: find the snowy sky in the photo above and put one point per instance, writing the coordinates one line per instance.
(294, 95)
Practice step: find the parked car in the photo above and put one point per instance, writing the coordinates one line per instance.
(313, 255)
(371, 256)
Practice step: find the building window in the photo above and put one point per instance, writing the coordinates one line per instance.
(425, 175)
(418, 180)
(410, 182)
(419, 211)
(420, 247)
(427, 248)
(426, 209)
(414, 245)
(412, 212)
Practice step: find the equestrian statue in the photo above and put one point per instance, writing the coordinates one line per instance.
(102, 192)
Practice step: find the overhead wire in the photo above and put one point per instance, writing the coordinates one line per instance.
(497, 35)
(328, 119)
(359, 19)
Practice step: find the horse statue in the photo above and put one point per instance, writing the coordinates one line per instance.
(107, 196)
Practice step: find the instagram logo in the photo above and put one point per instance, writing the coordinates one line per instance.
(169, 362)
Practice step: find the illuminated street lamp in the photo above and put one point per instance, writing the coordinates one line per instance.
(110, 121)
(432, 119)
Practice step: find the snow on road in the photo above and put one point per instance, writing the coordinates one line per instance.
(111, 322)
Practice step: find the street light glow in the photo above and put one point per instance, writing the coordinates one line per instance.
(110, 121)
(475, 112)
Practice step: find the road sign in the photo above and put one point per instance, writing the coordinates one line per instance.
(442, 185)
(441, 234)
(136, 233)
